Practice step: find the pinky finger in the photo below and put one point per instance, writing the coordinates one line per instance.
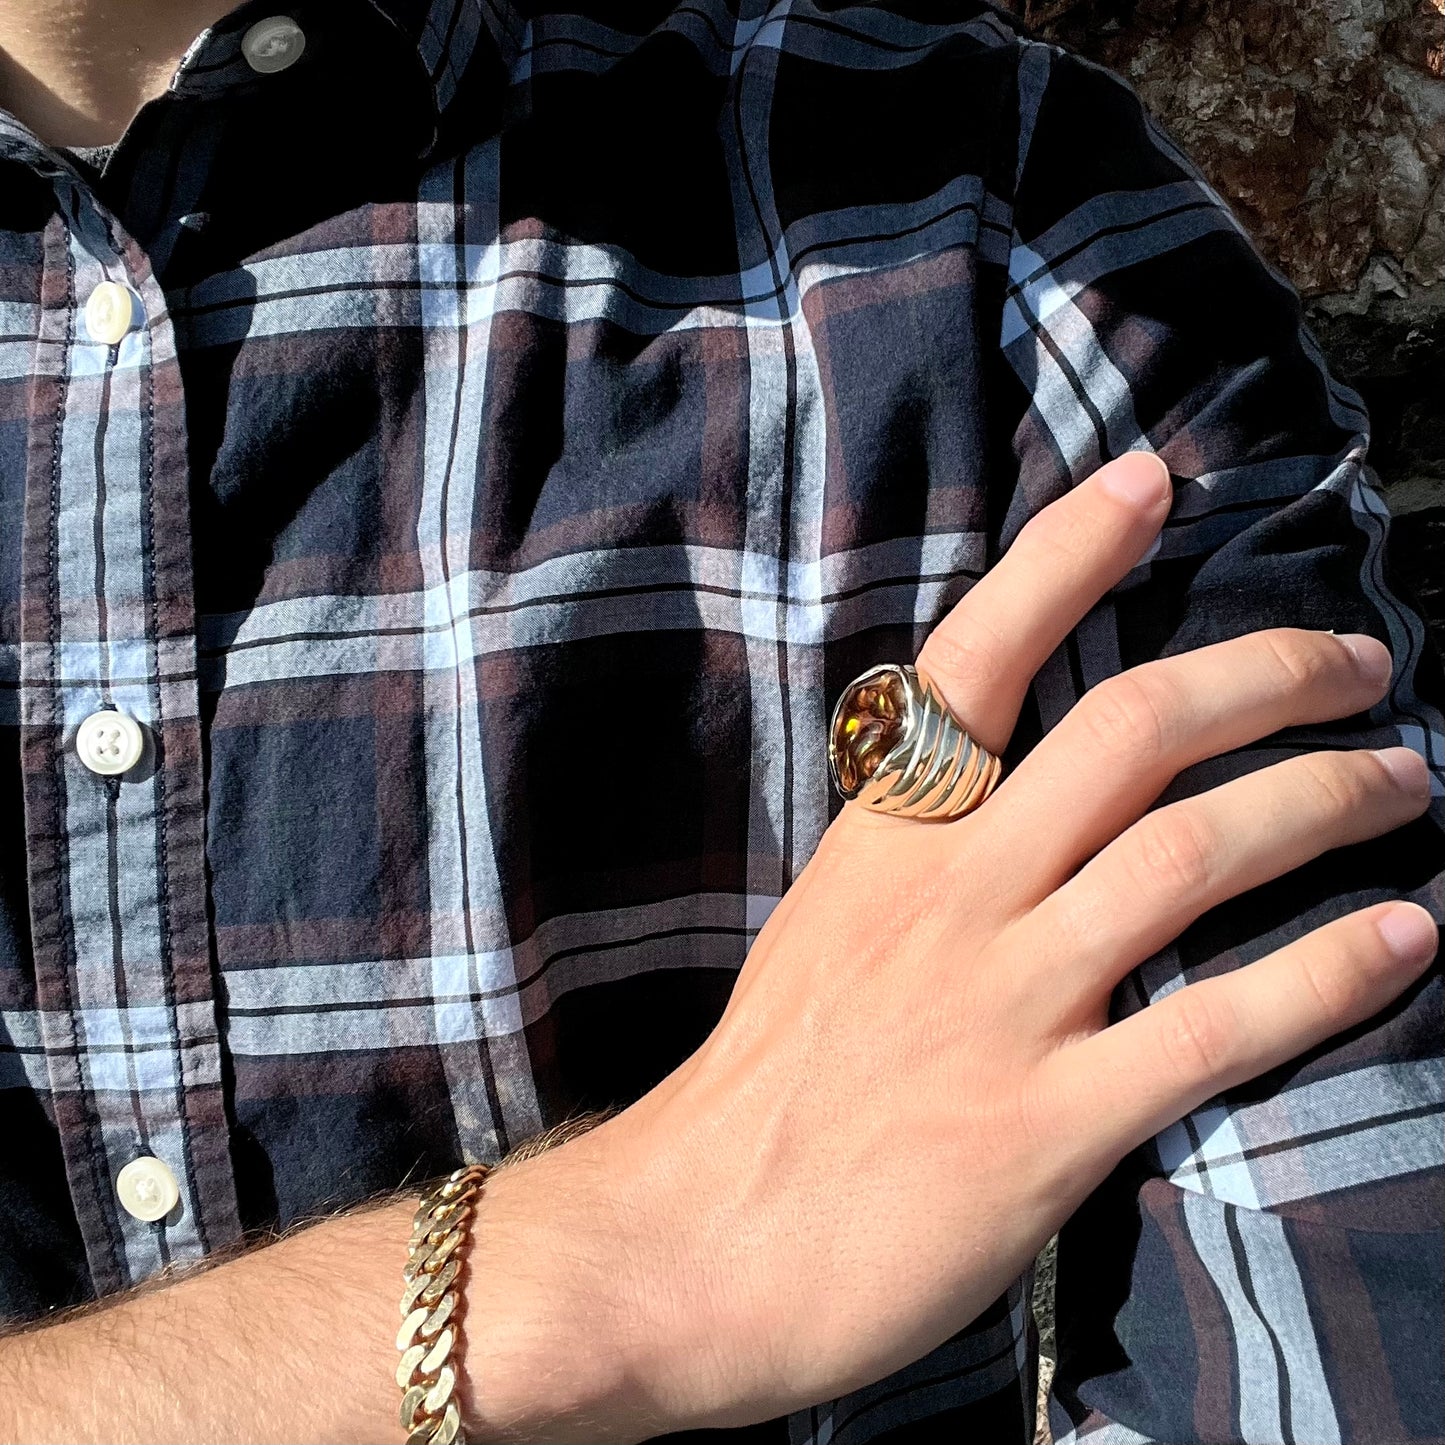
(1140, 1075)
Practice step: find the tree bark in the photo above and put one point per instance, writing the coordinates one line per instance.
(1322, 123)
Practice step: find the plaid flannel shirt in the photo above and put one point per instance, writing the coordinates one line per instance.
(518, 400)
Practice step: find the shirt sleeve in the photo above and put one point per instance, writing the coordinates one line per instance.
(1269, 1269)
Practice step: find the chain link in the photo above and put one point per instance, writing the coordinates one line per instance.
(430, 1305)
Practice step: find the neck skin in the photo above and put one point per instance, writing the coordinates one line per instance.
(76, 71)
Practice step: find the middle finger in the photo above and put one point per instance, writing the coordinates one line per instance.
(1098, 771)
(1174, 864)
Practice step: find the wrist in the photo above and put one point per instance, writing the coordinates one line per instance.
(553, 1348)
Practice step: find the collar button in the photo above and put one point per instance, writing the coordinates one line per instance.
(273, 45)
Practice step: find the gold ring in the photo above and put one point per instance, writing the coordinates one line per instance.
(895, 747)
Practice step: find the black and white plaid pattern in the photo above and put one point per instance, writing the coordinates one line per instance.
(523, 393)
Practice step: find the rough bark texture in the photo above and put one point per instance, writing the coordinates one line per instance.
(1322, 122)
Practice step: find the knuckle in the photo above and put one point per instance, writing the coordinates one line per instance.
(963, 652)
(1335, 992)
(1297, 657)
(1126, 717)
(1176, 853)
(1340, 785)
(1052, 536)
(1196, 1040)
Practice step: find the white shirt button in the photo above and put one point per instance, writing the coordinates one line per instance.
(147, 1189)
(110, 742)
(272, 45)
(111, 312)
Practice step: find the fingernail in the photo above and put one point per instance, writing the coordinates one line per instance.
(1135, 484)
(1371, 657)
(1409, 933)
(1407, 768)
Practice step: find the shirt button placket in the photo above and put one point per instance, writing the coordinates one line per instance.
(107, 651)
(114, 789)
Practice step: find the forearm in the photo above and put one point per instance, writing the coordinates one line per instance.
(295, 1341)
(287, 1342)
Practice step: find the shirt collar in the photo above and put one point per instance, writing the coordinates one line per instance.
(446, 38)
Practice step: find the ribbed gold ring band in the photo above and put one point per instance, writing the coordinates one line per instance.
(895, 747)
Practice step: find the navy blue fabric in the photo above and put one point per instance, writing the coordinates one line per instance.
(521, 401)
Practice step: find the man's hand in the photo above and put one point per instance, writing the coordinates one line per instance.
(914, 1083)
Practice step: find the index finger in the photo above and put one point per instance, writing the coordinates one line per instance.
(983, 656)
